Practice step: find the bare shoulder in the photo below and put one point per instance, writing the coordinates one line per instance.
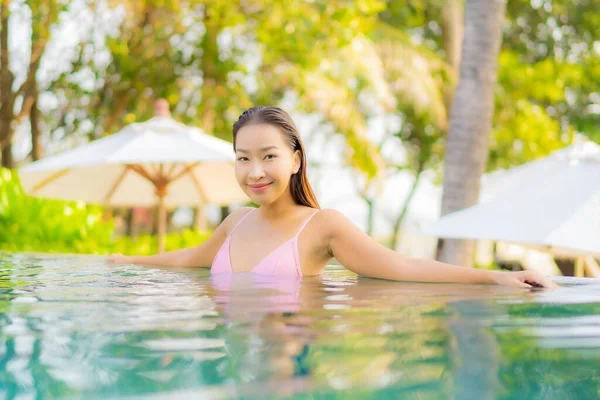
(328, 221)
(329, 214)
(234, 217)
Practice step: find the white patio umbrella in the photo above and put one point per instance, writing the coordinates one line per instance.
(552, 203)
(159, 162)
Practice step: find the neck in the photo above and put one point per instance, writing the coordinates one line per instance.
(279, 208)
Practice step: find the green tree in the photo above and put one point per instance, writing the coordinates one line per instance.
(18, 101)
(535, 112)
(550, 72)
(212, 60)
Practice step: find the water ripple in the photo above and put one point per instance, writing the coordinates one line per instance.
(75, 327)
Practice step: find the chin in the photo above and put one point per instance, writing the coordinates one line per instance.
(262, 200)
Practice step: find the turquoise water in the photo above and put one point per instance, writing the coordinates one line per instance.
(78, 328)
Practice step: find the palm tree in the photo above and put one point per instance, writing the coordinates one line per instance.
(407, 79)
(470, 117)
(397, 76)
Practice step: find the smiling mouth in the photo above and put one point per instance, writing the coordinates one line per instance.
(260, 188)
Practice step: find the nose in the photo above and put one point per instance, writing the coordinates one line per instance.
(256, 172)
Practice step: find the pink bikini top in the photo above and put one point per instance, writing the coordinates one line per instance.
(284, 260)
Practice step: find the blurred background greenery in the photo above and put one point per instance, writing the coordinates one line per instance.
(75, 71)
(29, 224)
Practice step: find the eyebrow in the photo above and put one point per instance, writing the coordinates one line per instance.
(262, 149)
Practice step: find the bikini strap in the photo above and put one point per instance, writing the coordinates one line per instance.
(242, 219)
(306, 223)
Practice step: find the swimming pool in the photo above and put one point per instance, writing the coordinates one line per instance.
(78, 328)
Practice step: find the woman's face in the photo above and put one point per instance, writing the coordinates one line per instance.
(264, 162)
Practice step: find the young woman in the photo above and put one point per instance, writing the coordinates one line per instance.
(289, 234)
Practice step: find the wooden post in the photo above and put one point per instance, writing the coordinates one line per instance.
(161, 193)
(579, 267)
(200, 222)
(107, 216)
(592, 267)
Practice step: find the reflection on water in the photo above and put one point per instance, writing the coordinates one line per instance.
(78, 328)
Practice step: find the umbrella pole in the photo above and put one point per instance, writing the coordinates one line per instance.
(579, 267)
(107, 216)
(161, 192)
(200, 219)
(593, 269)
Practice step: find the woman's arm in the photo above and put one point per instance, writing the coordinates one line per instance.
(198, 256)
(360, 253)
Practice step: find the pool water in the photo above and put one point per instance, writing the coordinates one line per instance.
(79, 328)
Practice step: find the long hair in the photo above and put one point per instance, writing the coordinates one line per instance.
(302, 192)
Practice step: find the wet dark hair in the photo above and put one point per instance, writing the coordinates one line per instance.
(302, 192)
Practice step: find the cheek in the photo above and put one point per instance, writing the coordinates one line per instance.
(279, 168)
(283, 172)
(240, 172)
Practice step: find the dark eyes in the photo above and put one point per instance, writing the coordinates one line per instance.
(267, 157)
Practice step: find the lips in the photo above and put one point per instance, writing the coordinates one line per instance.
(260, 187)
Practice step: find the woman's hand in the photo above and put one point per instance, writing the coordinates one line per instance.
(525, 279)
